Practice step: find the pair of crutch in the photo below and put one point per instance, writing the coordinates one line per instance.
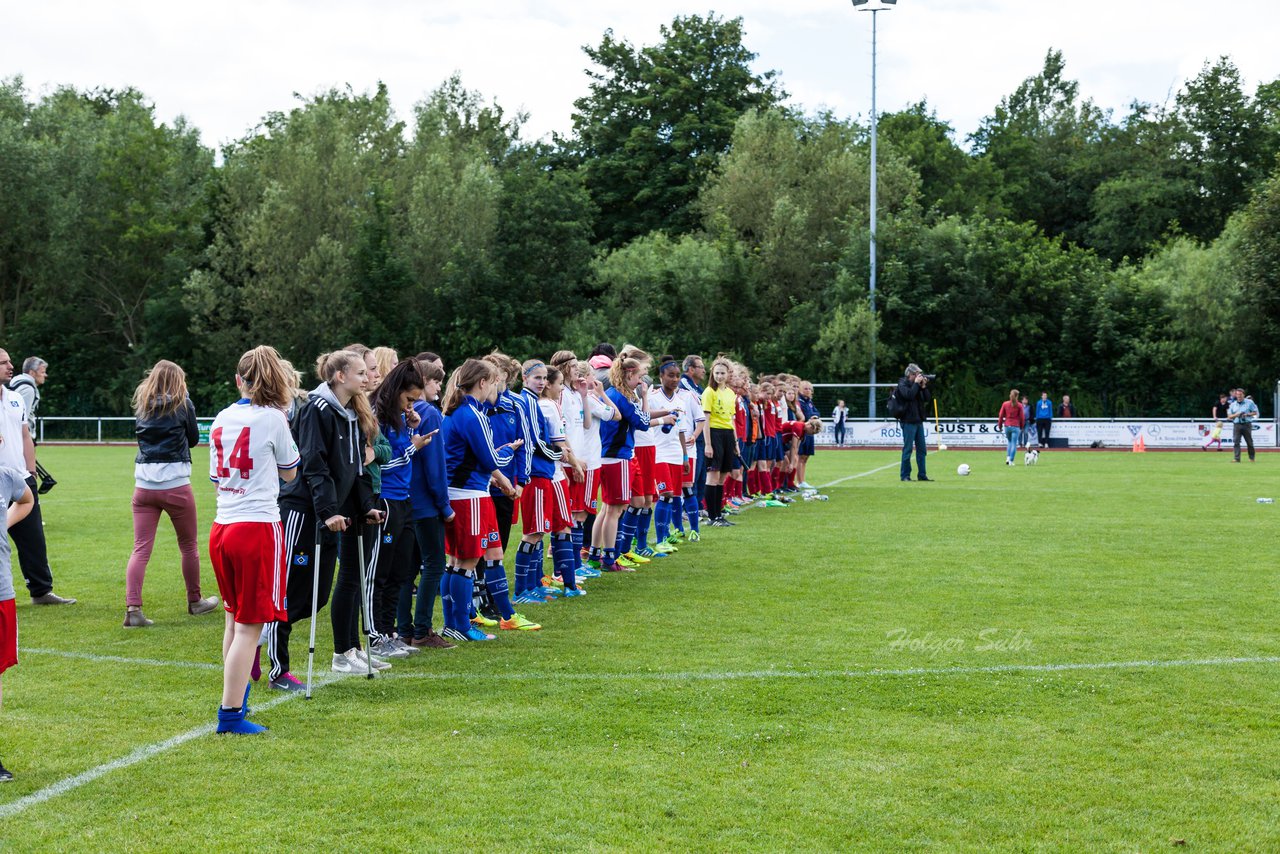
(365, 609)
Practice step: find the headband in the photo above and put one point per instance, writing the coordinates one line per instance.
(533, 368)
(668, 364)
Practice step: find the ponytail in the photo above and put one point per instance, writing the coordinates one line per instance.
(266, 379)
(466, 377)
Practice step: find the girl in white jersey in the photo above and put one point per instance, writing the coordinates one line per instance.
(581, 410)
(250, 451)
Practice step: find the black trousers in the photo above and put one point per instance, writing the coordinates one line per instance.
(33, 555)
(394, 565)
(1238, 431)
(505, 508)
(429, 532)
(345, 613)
(300, 533)
(1043, 426)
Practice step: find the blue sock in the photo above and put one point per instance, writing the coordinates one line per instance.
(562, 557)
(539, 557)
(691, 510)
(642, 529)
(673, 512)
(462, 589)
(524, 556)
(627, 529)
(495, 578)
(662, 520)
(610, 557)
(577, 544)
(446, 598)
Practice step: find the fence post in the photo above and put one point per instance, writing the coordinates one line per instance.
(99, 431)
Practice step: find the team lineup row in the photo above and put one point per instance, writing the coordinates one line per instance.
(408, 489)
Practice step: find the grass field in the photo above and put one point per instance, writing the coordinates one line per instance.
(1079, 656)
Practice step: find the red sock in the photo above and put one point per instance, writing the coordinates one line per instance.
(775, 480)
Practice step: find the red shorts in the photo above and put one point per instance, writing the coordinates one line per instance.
(667, 478)
(643, 473)
(615, 482)
(687, 478)
(544, 507)
(474, 528)
(8, 635)
(249, 561)
(581, 496)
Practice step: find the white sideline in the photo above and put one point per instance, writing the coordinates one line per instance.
(140, 755)
(120, 659)
(146, 752)
(856, 476)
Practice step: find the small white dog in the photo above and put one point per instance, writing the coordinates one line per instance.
(1030, 457)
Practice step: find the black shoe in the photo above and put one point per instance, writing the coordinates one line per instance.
(906, 480)
(45, 485)
(926, 479)
(490, 613)
(5, 774)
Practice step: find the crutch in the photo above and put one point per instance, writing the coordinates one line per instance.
(315, 606)
(366, 605)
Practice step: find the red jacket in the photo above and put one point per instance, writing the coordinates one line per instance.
(1011, 415)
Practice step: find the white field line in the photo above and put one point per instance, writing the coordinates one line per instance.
(142, 754)
(860, 474)
(120, 659)
(146, 752)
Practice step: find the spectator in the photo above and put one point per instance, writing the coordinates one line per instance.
(1242, 412)
(1029, 428)
(1011, 421)
(1066, 409)
(34, 373)
(1222, 407)
(17, 450)
(1044, 419)
(839, 416)
(913, 396)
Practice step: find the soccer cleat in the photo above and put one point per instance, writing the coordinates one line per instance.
(232, 721)
(720, 523)
(637, 559)
(665, 549)
(575, 591)
(588, 572)
(529, 598)
(645, 552)
(483, 622)
(591, 563)
(287, 682)
(676, 538)
(452, 634)
(6, 776)
(518, 622)
(626, 562)
(551, 581)
(694, 536)
(474, 634)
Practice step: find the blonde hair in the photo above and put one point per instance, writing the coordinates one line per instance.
(163, 391)
(622, 366)
(506, 365)
(329, 365)
(386, 359)
(560, 358)
(464, 378)
(265, 378)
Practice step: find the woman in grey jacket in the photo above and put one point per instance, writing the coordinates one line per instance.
(166, 430)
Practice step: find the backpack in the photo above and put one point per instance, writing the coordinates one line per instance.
(894, 406)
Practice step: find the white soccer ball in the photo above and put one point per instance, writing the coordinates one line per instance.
(942, 447)
(962, 469)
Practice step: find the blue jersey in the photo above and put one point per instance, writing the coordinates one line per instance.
(506, 420)
(397, 471)
(617, 438)
(428, 484)
(543, 456)
(469, 454)
(1044, 408)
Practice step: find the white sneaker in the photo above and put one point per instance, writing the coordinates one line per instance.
(386, 648)
(364, 659)
(350, 664)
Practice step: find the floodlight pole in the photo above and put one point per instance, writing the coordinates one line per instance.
(863, 6)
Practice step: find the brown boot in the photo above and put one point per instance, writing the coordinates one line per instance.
(134, 619)
(202, 606)
(433, 640)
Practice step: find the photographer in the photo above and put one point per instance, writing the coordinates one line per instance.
(914, 398)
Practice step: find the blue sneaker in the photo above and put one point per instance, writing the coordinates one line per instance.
(645, 552)
(474, 634)
(588, 572)
(548, 593)
(233, 722)
(570, 592)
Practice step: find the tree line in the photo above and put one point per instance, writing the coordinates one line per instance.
(1130, 261)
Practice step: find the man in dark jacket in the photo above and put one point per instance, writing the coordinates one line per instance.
(914, 398)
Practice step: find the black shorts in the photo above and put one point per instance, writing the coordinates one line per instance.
(724, 450)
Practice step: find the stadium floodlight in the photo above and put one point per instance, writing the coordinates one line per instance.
(867, 6)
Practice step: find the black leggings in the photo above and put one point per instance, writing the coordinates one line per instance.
(300, 533)
(1043, 426)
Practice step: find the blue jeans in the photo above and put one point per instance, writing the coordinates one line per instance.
(700, 470)
(912, 434)
(839, 433)
(414, 618)
(1012, 435)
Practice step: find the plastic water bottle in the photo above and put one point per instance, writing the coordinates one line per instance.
(1266, 501)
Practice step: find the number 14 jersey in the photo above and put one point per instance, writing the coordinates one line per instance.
(247, 445)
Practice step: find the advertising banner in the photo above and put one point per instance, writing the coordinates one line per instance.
(1079, 433)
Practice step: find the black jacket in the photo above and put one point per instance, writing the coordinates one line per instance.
(915, 400)
(332, 478)
(168, 438)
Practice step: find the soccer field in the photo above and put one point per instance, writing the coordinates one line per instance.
(1081, 655)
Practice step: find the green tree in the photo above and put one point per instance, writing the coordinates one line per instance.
(656, 119)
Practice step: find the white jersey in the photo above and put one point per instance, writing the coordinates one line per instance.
(13, 417)
(575, 433)
(551, 411)
(667, 445)
(601, 411)
(247, 446)
(691, 416)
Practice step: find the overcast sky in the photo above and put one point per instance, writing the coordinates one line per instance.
(223, 65)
